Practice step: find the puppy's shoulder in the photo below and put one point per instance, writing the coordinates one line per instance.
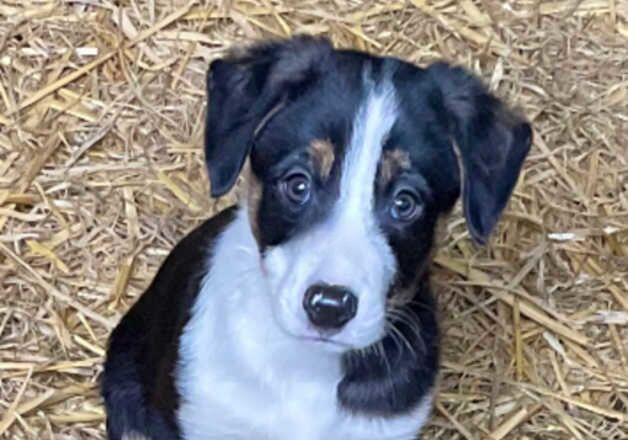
(145, 342)
(177, 281)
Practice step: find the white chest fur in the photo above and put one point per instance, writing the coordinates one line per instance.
(241, 377)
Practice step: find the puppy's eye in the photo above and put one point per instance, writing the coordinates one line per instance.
(297, 188)
(406, 206)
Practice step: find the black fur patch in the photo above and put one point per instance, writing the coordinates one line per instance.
(137, 383)
(395, 382)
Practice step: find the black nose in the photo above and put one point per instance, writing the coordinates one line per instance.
(329, 307)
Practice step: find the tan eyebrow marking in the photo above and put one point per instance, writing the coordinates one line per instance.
(322, 151)
(392, 163)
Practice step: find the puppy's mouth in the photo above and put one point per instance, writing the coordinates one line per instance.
(322, 340)
(327, 344)
(316, 339)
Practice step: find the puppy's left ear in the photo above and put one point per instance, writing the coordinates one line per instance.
(245, 89)
(493, 143)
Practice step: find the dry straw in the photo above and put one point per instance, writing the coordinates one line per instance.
(101, 172)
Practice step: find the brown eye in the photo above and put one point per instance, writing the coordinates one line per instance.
(405, 206)
(297, 188)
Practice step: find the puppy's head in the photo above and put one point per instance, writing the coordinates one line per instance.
(353, 160)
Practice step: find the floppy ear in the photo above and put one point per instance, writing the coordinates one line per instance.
(493, 143)
(244, 90)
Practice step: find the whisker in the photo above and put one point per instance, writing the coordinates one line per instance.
(411, 321)
(403, 339)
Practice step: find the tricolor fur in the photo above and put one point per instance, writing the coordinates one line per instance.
(306, 313)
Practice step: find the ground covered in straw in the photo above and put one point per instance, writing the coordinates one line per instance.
(101, 172)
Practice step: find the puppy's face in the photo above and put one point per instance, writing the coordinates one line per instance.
(345, 192)
(353, 161)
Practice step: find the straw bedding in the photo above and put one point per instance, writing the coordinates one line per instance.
(101, 172)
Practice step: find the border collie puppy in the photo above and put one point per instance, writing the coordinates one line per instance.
(306, 313)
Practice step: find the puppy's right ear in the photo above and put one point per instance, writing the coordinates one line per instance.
(245, 89)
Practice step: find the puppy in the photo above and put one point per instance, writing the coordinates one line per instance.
(306, 312)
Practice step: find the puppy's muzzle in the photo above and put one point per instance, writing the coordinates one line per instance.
(329, 307)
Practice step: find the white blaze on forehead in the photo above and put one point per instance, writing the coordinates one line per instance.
(371, 127)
